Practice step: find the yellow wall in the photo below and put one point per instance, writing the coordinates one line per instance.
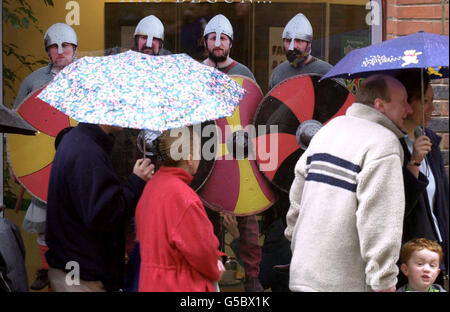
(30, 41)
(90, 31)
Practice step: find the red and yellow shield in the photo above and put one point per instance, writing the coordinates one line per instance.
(31, 157)
(235, 185)
(299, 100)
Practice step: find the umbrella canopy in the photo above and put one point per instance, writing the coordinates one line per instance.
(419, 50)
(10, 122)
(140, 91)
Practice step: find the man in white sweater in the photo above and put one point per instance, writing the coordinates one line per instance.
(347, 200)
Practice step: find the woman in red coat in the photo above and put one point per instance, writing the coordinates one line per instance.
(179, 251)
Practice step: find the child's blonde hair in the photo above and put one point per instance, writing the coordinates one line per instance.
(418, 244)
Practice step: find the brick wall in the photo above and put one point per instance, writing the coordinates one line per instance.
(404, 17)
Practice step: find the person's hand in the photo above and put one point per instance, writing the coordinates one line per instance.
(391, 289)
(231, 224)
(144, 169)
(221, 268)
(422, 146)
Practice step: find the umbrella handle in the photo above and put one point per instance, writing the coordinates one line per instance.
(143, 145)
(422, 95)
(19, 199)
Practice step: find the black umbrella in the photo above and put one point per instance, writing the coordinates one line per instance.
(10, 122)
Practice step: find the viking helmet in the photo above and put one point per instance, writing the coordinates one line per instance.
(151, 27)
(298, 27)
(58, 34)
(219, 24)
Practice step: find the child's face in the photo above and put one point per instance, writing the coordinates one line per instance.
(422, 269)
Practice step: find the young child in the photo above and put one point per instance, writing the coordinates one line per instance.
(420, 260)
(178, 248)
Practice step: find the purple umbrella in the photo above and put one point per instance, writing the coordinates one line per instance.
(419, 50)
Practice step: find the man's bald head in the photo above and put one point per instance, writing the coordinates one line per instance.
(387, 95)
(376, 86)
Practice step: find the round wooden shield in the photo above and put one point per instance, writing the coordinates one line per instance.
(287, 119)
(209, 142)
(235, 185)
(31, 157)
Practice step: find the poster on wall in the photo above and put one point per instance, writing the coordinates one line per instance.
(276, 50)
(349, 43)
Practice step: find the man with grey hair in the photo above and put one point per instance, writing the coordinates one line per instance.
(347, 200)
(297, 39)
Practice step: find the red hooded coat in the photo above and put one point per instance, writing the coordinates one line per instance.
(178, 248)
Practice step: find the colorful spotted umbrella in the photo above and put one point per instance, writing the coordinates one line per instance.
(31, 157)
(140, 91)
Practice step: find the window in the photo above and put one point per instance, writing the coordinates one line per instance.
(339, 26)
